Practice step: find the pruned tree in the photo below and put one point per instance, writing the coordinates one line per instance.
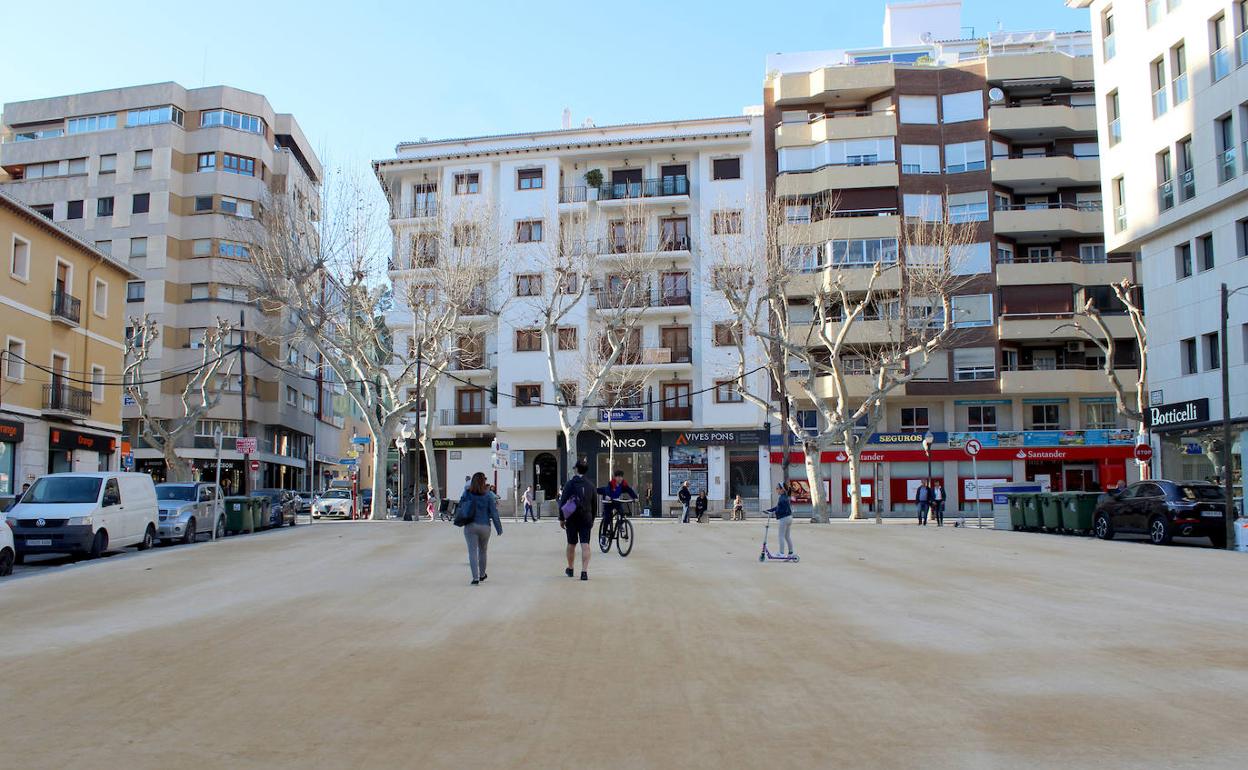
(840, 332)
(202, 391)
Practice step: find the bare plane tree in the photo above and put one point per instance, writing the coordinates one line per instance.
(202, 392)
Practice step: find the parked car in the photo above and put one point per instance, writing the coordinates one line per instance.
(189, 509)
(303, 501)
(282, 506)
(85, 513)
(1164, 509)
(8, 551)
(335, 503)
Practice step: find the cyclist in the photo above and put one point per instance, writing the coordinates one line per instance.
(615, 489)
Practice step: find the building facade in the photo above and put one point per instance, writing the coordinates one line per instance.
(168, 179)
(62, 317)
(667, 184)
(1172, 95)
(999, 131)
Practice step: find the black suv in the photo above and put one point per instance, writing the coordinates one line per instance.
(1163, 509)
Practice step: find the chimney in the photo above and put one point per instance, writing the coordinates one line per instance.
(567, 118)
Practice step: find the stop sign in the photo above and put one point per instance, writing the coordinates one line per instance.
(255, 465)
(1143, 452)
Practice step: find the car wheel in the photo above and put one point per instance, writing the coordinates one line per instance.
(189, 535)
(148, 537)
(99, 544)
(1102, 527)
(1159, 530)
(220, 534)
(6, 562)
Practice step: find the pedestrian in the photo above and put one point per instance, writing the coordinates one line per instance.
(528, 504)
(483, 507)
(431, 504)
(20, 495)
(699, 506)
(576, 516)
(684, 496)
(784, 519)
(938, 504)
(738, 509)
(923, 498)
(615, 490)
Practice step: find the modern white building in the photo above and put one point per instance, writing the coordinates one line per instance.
(673, 180)
(1172, 101)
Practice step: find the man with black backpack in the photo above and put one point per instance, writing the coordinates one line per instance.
(576, 516)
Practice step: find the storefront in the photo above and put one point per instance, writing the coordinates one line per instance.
(1191, 443)
(636, 453)
(458, 458)
(11, 434)
(71, 450)
(724, 463)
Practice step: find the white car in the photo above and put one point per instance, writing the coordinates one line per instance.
(8, 552)
(334, 504)
(85, 513)
(189, 509)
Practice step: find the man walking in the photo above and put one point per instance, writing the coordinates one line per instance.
(938, 504)
(684, 496)
(576, 516)
(923, 497)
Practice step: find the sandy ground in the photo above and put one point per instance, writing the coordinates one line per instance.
(362, 645)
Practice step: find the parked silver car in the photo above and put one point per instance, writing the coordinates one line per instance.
(188, 509)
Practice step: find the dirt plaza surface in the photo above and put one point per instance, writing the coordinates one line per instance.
(362, 645)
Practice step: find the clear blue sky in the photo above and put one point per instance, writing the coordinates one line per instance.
(362, 75)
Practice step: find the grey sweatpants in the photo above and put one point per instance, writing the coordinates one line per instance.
(783, 535)
(478, 538)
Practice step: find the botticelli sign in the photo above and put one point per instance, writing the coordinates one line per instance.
(1179, 413)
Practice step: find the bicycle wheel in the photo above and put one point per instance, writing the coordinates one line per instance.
(604, 537)
(624, 537)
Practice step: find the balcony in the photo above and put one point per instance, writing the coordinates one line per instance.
(1226, 165)
(575, 194)
(1078, 273)
(1049, 64)
(1051, 170)
(636, 413)
(846, 84)
(1220, 63)
(1048, 221)
(667, 245)
(823, 128)
(846, 223)
(1042, 326)
(839, 177)
(472, 364)
(640, 298)
(453, 418)
(856, 385)
(1060, 379)
(417, 210)
(66, 308)
(422, 260)
(62, 399)
(1037, 121)
(665, 189)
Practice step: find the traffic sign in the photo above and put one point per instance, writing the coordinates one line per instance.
(1143, 452)
(255, 466)
(359, 439)
(245, 445)
(972, 447)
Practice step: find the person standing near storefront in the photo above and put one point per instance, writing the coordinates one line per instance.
(738, 509)
(684, 496)
(938, 504)
(923, 498)
(699, 506)
(578, 520)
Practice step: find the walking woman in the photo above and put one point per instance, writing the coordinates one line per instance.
(529, 513)
(784, 519)
(484, 509)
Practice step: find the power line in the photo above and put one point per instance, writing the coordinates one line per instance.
(65, 376)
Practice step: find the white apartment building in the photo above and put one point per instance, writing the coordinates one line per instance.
(1172, 100)
(166, 178)
(672, 179)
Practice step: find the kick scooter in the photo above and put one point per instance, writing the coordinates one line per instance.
(766, 555)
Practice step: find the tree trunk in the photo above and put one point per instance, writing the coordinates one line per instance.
(569, 441)
(381, 435)
(819, 506)
(855, 484)
(176, 468)
(431, 468)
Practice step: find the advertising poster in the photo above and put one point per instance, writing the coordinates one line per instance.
(687, 463)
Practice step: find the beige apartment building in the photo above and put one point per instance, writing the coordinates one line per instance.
(62, 317)
(999, 131)
(165, 179)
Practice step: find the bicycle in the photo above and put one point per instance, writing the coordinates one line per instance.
(621, 529)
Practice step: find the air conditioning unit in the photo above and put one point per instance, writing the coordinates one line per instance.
(1075, 347)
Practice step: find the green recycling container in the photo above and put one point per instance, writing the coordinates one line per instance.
(1032, 517)
(1078, 510)
(238, 515)
(260, 512)
(1051, 511)
(1017, 502)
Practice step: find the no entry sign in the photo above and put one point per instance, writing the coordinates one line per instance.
(255, 465)
(1143, 452)
(972, 447)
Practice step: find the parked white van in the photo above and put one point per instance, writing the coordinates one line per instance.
(85, 513)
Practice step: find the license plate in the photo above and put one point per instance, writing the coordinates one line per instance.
(1211, 514)
(32, 541)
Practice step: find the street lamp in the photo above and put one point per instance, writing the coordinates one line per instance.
(928, 439)
(217, 434)
(1228, 468)
(405, 432)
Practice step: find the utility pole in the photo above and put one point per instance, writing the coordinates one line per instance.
(242, 391)
(1228, 468)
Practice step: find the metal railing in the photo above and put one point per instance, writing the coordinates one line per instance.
(1079, 206)
(818, 117)
(1226, 165)
(1220, 63)
(59, 397)
(1241, 48)
(66, 306)
(1160, 102)
(1188, 180)
(1179, 85)
(456, 417)
(648, 244)
(1165, 195)
(646, 188)
(1063, 366)
(575, 194)
(1059, 257)
(638, 297)
(419, 210)
(465, 362)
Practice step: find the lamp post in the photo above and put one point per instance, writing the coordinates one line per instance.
(217, 434)
(1228, 467)
(405, 432)
(928, 439)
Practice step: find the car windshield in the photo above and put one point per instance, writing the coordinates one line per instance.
(64, 489)
(175, 492)
(1201, 492)
(337, 494)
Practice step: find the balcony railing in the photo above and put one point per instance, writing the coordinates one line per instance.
(1099, 259)
(1165, 195)
(1241, 49)
(1080, 206)
(66, 307)
(646, 188)
(577, 194)
(419, 210)
(816, 117)
(1220, 63)
(1226, 165)
(1115, 131)
(1179, 84)
(465, 362)
(649, 244)
(639, 297)
(456, 417)
(1160, 103)
(1120, 219)
(1188, 181)
(63, 398)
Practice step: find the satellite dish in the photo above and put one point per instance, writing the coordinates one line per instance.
(996, 95)
(926, 37)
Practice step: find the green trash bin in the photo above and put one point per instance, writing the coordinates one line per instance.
(1032, 517)
(260, 512)
(238, 515)
(1051, 511)
(1078, 510)
(1017, 502)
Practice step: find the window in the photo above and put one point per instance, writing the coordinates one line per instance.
(1152, 11)
(1113, 115)
(238, 120)
(1165, 184)
(97, 383)
(1187, 173)
(528, 340)
(529, 231)
(1241, 236)
(1183, 267)
(917, 109)
(1109, 46)
(151, 116)
(135, 291)
(960, 107)
(528, 395)
(968, 207)
(140, 203)
(467, 183)
(142, 159)
(201, 247)
(529, 285)
(971, 259)
(1005, 252)
(726, 392)
(236, 206)
(726, 222)
(725, 168)
(42, 170)
(104, 207)
(1187, 349)
(964, 156)
(1220, 59)
(971, 310)
(227, 293)
(974, 364)
(292, 396)
(1100, 416)
(233, 250)
(138, 247)
(529, 179)
(15, 363)
(99, 298)
(1039, 253)
(1178, 71)
(464, 234)
(206, 161)
(864, 252)
(238, 164)
(1213, 354)
(981, 418)
(1046, 417)
(43, 208)
(19, 259)
(727, 334)
(914, 419)
(108, 163)
(568, 338)
(309, 404)
(923, 206)
(920, 159)
(73, 210)
(77, 166)
(569, 393)
(105, 247)
(90, 123)
(1205, 247)
(199, 291)
(1092, 253)
(1119, 188)
(1157, 71)
(1226, 149)
(203, 203)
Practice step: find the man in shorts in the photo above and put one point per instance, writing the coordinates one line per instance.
(579, 524)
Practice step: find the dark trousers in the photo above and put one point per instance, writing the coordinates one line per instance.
(923, 507)
(938, 510)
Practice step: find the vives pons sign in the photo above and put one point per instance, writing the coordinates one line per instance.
(1179, 413)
